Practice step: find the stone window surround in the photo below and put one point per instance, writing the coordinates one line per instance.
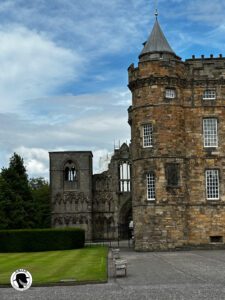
(203, 133)
(217, 188)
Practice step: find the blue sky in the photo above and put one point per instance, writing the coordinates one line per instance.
(63, 79)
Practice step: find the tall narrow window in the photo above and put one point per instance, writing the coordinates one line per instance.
(172, 174)
(212, 184)
(209, 95)
(124, 177)
(210, 132)
(70, 172)
(147, 135)
(151, 186)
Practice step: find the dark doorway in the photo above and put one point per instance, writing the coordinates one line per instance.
(124, 219)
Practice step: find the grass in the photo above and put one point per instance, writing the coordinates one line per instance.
(83, 265)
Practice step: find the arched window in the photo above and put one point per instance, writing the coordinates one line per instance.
(70, 171)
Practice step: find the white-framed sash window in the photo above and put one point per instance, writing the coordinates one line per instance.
(212, 184)
(210, 132)
(150, 186)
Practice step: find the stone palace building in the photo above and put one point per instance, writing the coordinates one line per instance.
(170, 180)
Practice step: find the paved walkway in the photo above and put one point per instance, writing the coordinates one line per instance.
(161, 275)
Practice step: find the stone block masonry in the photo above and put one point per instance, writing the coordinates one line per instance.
(182, 202)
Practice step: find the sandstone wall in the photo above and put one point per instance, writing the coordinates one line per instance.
(179, 216)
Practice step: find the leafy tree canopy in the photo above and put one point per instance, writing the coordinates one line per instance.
(41, 195)
(23, 203)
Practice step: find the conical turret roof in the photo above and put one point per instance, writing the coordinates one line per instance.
(157, 42)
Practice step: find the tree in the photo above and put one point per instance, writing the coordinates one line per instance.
(5, 196)
(41, 195)
(15, 196)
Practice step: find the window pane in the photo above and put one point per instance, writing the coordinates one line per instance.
(124, 178)
(212, 184)
(147, 135)
(170, 93)
(151, 186)
(210, 132)
(209, 94)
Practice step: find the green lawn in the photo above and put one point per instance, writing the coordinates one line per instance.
(87, 264)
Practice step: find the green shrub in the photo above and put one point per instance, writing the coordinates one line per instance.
(32, 240)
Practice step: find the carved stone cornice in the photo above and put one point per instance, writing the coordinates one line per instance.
(70, 197)
(69, 219)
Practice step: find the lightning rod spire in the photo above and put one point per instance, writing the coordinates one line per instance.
(156, 9)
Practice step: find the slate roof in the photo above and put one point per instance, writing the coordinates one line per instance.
(157, 41)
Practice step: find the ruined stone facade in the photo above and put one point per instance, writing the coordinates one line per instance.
(112, 209)
(177, 123)
(71, 190)
(100, 203)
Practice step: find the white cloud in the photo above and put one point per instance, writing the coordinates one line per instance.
(95, 27)
(32, 66)
(207, 11)
(51, 48)
(36, 161)
(88, 122)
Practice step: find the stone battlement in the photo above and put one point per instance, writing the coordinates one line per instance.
(206, 58)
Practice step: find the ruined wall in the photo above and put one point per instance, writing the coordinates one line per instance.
(103, 207)
(111, 206)
(71, 200)
(93, 202)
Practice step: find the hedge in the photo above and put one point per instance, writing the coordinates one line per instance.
(32, 240)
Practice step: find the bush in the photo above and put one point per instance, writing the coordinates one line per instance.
(32, 240)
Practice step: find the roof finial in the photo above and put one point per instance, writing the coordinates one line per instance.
(156, 9)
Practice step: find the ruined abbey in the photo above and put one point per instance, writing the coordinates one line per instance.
(170, 180)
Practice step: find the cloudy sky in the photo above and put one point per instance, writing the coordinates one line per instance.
(63, 69)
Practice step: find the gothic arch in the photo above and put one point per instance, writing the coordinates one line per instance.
(70, 174)
(70, 170)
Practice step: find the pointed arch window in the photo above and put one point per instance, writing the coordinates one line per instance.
(70, 172)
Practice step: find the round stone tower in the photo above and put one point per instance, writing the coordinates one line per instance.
(157, 125)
